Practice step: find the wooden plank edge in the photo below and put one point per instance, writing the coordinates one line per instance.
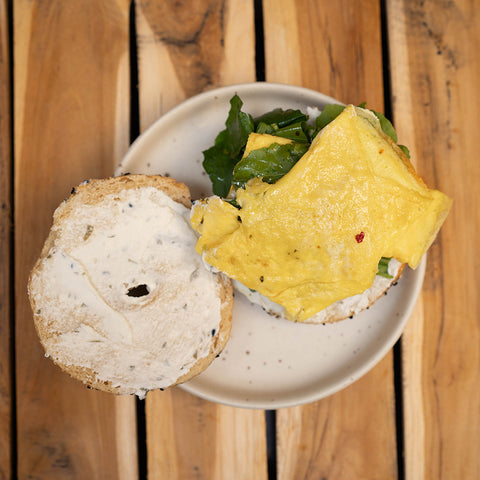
(7, 420)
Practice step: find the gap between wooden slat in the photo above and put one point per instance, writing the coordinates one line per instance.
(134, 133)
(399, 418)
(270, 415)
(259, 41)
(134, 100)
(7, 364)
(13, 385)
(271, 436)
(397, 349)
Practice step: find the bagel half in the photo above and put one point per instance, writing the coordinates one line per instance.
(120, 298)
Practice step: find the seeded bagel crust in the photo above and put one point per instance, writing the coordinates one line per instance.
(50, 327)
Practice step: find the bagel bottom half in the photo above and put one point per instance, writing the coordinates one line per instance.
(120, 298)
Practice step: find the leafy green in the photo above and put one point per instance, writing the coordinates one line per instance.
(263, 127)
(388, 129)
(270, 163)
(283, 123)
(219, 166)
(328, 114)
(383, 267)
(294, 131)
(387, 126)
(405, 150)
(234, 203)
(239, 126)
(223, 161)
(331, 112)
(310, 132)
(220, 159)
(281, 118)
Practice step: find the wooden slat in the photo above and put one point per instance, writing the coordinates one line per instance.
(184, 49)
(435, 77)
(335, 48)
(5, 248)
(72, 123)
(332, 47)
(191, 438)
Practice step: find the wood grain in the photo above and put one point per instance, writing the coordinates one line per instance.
(184, 49)
(72, 123)
(189, 438)
(335, 48)
(5, 250)
(435, 76)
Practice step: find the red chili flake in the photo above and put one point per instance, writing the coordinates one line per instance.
(359, 237)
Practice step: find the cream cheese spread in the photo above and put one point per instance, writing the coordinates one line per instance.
(131, 299)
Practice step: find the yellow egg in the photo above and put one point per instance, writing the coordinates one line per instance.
(262, 140)
(316, 235)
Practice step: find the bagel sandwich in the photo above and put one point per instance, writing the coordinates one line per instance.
(311, 226)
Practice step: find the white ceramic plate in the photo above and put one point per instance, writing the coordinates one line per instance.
(269, 363)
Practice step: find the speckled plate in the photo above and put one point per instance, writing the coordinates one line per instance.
(269, 363)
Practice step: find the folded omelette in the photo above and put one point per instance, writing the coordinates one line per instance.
(317, 235)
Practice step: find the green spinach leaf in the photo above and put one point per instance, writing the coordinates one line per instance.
(405, 150)
(223, 162)
(270, 163)
(386, 125)
(295, 131)
(281, 118)
(331, 112)
(220, 159)
(328, 114)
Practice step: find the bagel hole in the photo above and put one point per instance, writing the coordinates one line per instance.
(138, 291)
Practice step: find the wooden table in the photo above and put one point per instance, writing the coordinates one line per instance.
(79, 80)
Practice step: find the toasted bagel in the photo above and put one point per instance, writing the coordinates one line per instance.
(120, 298)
